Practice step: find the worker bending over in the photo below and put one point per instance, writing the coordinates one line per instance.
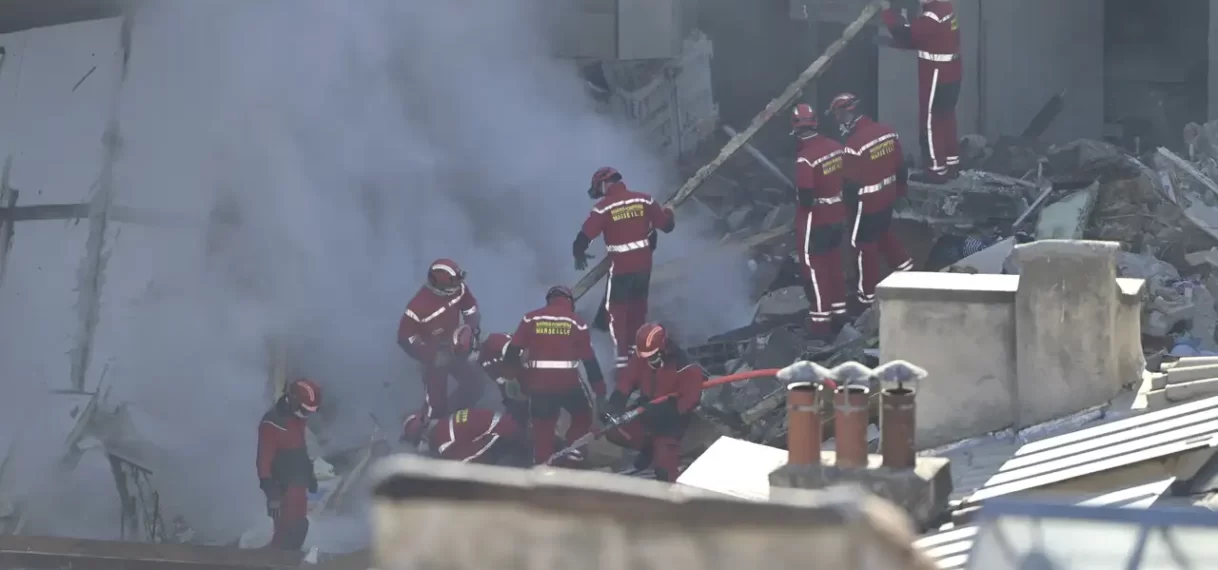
(473, 435)
(549, 345)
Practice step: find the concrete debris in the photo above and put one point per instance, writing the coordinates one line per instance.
(1067, 218)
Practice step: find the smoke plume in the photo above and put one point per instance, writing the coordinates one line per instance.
(320, 155)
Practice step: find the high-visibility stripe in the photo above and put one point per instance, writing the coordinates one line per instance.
(937, 57)
(552, 364)
(620, 203)
(871, 188)
(817, 162)
(553, 318)
(621, 248)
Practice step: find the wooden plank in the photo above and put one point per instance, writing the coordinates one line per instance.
(737, 142)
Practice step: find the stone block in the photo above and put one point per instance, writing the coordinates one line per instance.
(1207, 257)
(922, 491)
(1188, 361)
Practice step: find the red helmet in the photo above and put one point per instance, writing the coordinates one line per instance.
(445, 277)
(650, 342)
(304, 397)
(413, 429)
(560, 291)
(803, 117)
(601, 179)
(494, 348)
(844, 102)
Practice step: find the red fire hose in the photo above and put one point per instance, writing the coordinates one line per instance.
(633, 414)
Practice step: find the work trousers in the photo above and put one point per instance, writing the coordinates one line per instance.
(438, 403)
(626, 302)
(824, 279)
(873, 243)
(937, 109)
(544, 408)
(292, 524)
(660, 444)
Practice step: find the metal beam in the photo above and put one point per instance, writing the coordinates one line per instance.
(44, 552)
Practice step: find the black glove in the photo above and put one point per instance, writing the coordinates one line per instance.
(273, 497)
(272, 508)
(581, 261)
(653, 239)
(664, 409)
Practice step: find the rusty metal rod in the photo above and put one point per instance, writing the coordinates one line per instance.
(850, 407)
(897, 424)
(803, 423)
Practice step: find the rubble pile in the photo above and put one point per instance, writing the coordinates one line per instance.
(1161, 207)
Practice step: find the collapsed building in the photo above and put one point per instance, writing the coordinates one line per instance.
(1133, 424)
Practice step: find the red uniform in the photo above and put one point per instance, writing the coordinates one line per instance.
(658, 432)
(286, 473)
(554, 341)
(474, 435)
(492, 357)
(819, 221)
(426, 334)
(875, 170)
(935, 36)
(629, 221)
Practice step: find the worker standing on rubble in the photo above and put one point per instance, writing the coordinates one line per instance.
(431, 333)
(875, 172)
(629, 221)
(935, 36)
(285, 471)
(819, 220)
(658, 369)
(549, 344)
(473, 435)
(506, 376)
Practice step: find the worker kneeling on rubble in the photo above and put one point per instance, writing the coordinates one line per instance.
(875, 172)
(669, 387)
(549, 344)
(474, 435)
(819, 220)
(285, 471)
(506, 376)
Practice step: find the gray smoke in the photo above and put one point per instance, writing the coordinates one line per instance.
(325, 152)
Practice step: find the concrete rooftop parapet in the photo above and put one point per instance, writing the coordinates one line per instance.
(1015, 350)
(432, 514)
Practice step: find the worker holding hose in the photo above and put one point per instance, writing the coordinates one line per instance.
(669, 388)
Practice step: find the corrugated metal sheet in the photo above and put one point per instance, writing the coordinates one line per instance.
(950, 548)
(736, 468)
(1104, 447)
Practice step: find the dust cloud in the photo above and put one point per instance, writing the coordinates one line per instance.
(320, 154)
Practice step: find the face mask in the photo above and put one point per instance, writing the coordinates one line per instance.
(656, 360)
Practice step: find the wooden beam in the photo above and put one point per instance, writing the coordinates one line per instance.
(741, 139)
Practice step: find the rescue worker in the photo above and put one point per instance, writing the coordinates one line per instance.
(819, 220)
(935, 36)
(473, 435)
(556, 341)
(629, 221)
(506, 376)
(428, 332)
(874, 171)
(285, 471)
(658, 369)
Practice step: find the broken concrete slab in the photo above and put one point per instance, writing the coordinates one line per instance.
(972, 197)
(785, 301)
(1207, 257)
(1190, 361)
(989, 260)
(1068, 217)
